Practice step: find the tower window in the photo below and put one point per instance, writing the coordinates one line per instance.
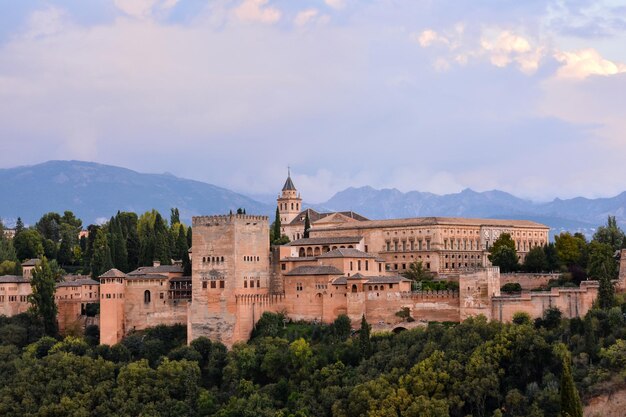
(146, 297)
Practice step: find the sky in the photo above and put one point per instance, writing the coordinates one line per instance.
(526, 96)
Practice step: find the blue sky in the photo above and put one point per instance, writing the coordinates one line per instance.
(524, 96)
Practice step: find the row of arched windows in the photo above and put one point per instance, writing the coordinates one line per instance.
(294, 206)
(251, 258)
(213, 259)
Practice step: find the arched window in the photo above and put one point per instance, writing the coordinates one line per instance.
(146, 297)
(353, 287)
(302, 253)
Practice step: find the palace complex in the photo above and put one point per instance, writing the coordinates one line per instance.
(347, 264)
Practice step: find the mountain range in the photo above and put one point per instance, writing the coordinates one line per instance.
(94, 192)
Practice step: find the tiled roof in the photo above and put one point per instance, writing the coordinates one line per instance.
(298, 258)
(78, 282)
(434, 221)
(346, 253)
(315, 216)
(161, 269)
(113, 273)
(32, 262)
(325, 240)
(145, 276)
(395, 279)
(289, 185)
(12, 279)
(314, 270)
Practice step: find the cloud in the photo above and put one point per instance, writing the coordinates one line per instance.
(429, 37)
(585, 62)
(143, 8)
(336, 4)
(45, 22)
(305, 16)
(257, 11)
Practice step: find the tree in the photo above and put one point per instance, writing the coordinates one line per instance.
(552, 257)
(117, 243)
(189, 232)
(174, 216)
(606, 291)
(50, 226)
(101, 260)
(161, 241)
(601, 261)
(568, 249)
(28, 244)
(611, 234)
(417, 273)
(571, 406)
(19, 226)
(504, 254)
(42, 298)
(307, 226)
(276, 226)
(536, 260)
(365, 344)
(183, 251)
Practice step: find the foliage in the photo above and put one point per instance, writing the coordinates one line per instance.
(504, 254)
(28, 244)
(536, 260)
(611, 234)
(43, 306)
(307, 226)
(511, 287)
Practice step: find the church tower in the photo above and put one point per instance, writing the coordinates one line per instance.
(289, 202)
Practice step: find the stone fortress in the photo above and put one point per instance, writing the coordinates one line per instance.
(348, 265)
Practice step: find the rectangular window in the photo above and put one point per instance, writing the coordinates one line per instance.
(350, 265)
(258, 283)
(299, 286)
(203, 284)
(213, 284)
(161, 296)
(365, 248)
(388, 246)
(428, 245)
(358, 264)
(245, 284)
(367, 264)
(221, 284)
(283, 267)
(251, 284)
(427, 265)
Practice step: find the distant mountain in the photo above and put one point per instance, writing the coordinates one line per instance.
(577, 214)
(94, 191)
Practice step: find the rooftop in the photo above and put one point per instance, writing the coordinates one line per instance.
(289, 185)
(314, 270)
(161, 269)
(394, 279)
(325, 241)
(32, 262)
(346, 253)
(12, 279)
(113, 273)
(78, 282)
(435, 221)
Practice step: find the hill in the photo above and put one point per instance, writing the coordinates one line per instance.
(95, 191)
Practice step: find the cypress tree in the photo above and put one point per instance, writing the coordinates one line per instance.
(365, 344)
(307, 225)
(161, 241)
(19, 226)
(571, 406)
(89, 245)
(189, 237)
(101, 259)
(183, 251)
(42, 297)
(174, 216)
(120, 257)
(277, 226)
(606, 291)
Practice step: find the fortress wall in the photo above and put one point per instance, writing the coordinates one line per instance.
(528, 281)
(573, 302)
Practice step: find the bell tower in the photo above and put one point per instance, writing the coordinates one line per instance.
(289, 201)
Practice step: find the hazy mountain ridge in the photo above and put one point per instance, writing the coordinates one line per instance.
(571, 214)
(94, 191)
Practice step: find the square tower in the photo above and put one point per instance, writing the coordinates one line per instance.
(231, 258)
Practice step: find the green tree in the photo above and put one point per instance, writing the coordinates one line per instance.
(50, 226)
(28, 244)
(611, 234)
(536, 260)
(568, 249)
(417, 273)
(276, 226)
(365, 343)
(19, 226)
(117, 244)
(504, 254)
(41, 300)
(101, 260)
(307, 225)
(601, 261)
(552, 257)
(571, 406)
(161, 241)
(606, 291)
(174, 216)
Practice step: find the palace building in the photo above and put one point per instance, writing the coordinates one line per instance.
(348, 265)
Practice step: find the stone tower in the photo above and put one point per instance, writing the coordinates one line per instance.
(112, 296)
(231, 260)
(289, 202)
(621, 282)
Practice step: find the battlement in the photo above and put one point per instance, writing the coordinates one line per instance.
(430, 295)
(248, 299)
(224, 219)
